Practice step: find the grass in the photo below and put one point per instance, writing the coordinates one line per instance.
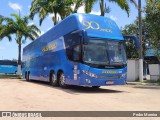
(151, 81)
(12, 76)
(148, 81)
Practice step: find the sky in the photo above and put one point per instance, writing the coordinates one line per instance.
(9, 50)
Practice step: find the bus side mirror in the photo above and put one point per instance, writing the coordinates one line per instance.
(135, 39)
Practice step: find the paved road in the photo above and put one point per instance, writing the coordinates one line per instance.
(19, 95)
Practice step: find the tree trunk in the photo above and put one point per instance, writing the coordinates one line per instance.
(54, 18)
(102, 7)
(19, 59)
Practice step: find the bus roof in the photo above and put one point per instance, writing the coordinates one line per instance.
(8, 62)
(96, 26)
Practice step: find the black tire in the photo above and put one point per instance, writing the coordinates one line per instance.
(28, 75)
(53, 80)
(96, 87)
(61, 80)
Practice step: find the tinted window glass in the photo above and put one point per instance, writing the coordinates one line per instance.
(72, 45)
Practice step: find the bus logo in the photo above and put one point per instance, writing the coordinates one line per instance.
(95, 26)
(49, 47)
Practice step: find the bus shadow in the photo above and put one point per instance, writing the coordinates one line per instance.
(77, 89)
(81, 89)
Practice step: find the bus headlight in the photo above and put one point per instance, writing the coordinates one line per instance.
(123, 75)
(90, 74)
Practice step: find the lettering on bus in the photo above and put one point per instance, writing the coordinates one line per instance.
(109, 72)
(49, 47)
(95, 26)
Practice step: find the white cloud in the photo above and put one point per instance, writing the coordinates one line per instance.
(15, 6)
(51, 15)
(31, 23)
(42, 32)
(113, 17)
(73, 6)
(81, 9)
(96, 12)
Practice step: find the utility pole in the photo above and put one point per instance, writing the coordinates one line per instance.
(140, 39)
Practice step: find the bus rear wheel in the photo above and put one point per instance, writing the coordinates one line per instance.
(27, 77)
(53, 80)
(96, 87)
(62, 80)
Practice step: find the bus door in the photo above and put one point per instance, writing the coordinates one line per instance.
(73, 51)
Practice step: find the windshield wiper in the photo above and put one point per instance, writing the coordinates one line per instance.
(97, 63)
(118, 63)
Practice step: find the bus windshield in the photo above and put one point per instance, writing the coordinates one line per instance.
(104, 52)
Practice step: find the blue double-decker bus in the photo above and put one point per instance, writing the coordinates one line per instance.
(83, 50)
(8, 67)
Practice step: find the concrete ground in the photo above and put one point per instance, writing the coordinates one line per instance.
(19, 95)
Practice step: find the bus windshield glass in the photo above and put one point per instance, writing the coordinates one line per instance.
(104, 52)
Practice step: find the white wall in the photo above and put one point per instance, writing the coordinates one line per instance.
(154, 70)
(132, 70)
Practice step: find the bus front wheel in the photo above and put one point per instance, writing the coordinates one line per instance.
(53, 80)
(62, 80)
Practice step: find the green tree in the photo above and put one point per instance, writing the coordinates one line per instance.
(46, 7)
(150, 28)
(22, 30)
(132, 29)
(64, 7)
(152, 11)
(2, 26)
(88, 5)
(123, 4)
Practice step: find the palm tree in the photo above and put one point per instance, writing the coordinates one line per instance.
(2, 26)
(123, 4)
(20, 27)
(64, 7)
(88, 5)
(44, 8)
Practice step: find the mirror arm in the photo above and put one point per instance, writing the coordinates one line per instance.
(136, 40)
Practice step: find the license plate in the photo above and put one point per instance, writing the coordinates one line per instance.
(110, 82)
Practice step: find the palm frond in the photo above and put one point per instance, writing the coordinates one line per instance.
(89, 5)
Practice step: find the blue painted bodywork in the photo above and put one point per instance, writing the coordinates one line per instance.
(48, 52)
(152, 52)
(8, 69)
(136, 40)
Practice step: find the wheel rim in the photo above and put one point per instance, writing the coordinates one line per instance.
(62, 80)
(28, 77)
(53, 79)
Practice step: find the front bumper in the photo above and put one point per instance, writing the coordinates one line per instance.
(91, 81)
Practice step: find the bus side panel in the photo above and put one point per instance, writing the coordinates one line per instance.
(8, 69)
